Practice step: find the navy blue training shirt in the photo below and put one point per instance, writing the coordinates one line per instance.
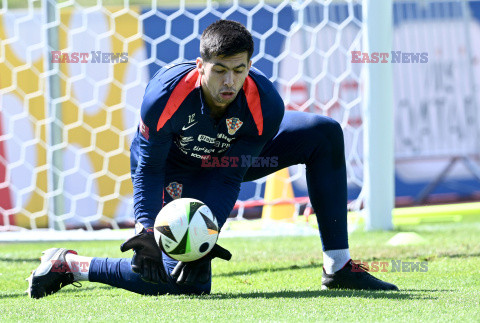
(177, 138)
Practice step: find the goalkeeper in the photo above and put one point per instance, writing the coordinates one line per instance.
(219, 106)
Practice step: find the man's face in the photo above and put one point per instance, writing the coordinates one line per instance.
(223, 77)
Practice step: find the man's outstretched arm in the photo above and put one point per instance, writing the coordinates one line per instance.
(148, 156)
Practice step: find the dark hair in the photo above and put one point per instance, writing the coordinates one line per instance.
(225, 38)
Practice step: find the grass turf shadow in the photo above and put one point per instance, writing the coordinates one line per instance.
(266, 270)
(407, 294)
(401, 295)
(62, 291)
(36, 260)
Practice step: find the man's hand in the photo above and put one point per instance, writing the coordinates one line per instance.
(198, 271)
(147, 258)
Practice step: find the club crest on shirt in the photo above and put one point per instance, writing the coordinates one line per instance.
(174, 189)
(233, 124)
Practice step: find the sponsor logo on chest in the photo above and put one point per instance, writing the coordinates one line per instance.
(207, 144)
(206, 139)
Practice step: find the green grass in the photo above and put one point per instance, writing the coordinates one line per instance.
(271, 279)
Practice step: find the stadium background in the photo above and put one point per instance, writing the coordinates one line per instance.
(100, 113)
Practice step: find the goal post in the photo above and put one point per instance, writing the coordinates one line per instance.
(378, 122)
(54, 120)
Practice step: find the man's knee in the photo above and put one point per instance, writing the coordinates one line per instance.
(330, 129)
(331, 132)
(316, 127)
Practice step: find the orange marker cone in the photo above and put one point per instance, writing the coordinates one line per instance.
(278, 188)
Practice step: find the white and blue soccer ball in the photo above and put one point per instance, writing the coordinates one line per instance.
(186, 229)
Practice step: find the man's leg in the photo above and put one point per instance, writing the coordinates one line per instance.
(61, 267)
(317, 142)
(118, 272)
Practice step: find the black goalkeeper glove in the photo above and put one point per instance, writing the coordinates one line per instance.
(147, 258)
(198, 271)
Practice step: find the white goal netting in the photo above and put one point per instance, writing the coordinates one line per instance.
(73, 73)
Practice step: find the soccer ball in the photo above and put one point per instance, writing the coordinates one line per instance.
(186, 229)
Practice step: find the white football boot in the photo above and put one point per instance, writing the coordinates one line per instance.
(52, 274)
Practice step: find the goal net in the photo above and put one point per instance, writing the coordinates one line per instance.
(73, 74)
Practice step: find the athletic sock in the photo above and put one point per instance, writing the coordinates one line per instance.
(79, 266)
(334, 260)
